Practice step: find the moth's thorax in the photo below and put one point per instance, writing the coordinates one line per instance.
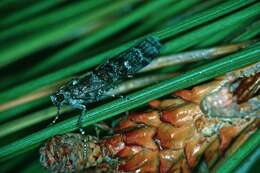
(72, 94)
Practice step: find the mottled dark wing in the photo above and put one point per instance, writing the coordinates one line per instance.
(121, 67)
(91, 82)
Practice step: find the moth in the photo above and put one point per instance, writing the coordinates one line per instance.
(92, 87)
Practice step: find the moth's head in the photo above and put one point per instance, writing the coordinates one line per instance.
(60, 98)
(66, 94)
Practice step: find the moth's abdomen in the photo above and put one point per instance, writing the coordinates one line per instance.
(150, 47)
(129, 62)
(132, 60)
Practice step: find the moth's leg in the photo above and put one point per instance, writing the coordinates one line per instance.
(82, 107)
(101, 126)
(112, 162)
(127, 113)
(130, 76)
(108, 94)
(118, 96)
(56, 117)
(80, 120)
(81, 130)
(116, 122)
